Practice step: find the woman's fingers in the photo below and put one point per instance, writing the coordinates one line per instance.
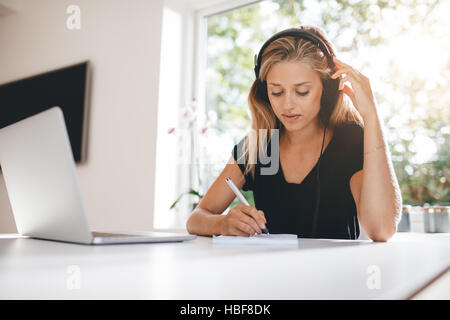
(257, 215)
(244, 220)
(238, 232)
(252, 223)
(246, 228)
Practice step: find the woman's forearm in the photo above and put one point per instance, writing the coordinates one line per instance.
(204, 223)
(381, 200)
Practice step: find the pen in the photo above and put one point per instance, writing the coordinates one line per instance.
(241, 198)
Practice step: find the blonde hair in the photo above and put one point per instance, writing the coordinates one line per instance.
(290, 48)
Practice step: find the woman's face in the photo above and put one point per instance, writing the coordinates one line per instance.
(294, 91)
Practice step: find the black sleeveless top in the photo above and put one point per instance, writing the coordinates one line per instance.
(289, 207)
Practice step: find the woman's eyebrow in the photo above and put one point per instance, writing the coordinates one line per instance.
(297, 84)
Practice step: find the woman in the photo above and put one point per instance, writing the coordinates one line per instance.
(340, 141)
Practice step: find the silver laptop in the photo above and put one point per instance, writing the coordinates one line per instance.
(40, 176)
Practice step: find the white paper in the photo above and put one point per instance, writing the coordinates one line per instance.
(259, 239)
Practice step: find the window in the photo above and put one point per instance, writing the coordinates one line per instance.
(401, 47)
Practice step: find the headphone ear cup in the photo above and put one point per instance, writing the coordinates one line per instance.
(261, 90)
(330, 96)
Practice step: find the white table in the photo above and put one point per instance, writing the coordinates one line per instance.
(197, 269)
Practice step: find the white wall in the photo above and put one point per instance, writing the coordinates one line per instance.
(121, 38)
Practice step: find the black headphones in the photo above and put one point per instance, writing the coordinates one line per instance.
(330, 92)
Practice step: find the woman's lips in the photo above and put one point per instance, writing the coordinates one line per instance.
(292, 117)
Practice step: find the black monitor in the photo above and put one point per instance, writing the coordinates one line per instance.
(65, 87)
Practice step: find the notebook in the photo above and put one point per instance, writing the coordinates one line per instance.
(259, 239)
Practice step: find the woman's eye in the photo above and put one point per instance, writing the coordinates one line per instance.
(277, 94)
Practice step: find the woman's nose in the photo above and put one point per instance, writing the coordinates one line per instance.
(289, 102)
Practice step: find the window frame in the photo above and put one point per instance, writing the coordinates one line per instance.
(193, 72)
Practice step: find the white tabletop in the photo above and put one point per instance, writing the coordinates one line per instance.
(197, 269)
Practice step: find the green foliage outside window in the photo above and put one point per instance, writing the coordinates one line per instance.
(234, 38)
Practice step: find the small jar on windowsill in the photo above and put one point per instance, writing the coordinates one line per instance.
(405, 222)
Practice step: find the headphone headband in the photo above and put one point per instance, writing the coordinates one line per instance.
(295, 32)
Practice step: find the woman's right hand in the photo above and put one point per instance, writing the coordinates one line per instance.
(243, 220)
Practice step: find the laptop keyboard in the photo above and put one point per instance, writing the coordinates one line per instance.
(112, 235)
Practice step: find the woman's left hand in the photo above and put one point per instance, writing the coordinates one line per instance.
(360, 93)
